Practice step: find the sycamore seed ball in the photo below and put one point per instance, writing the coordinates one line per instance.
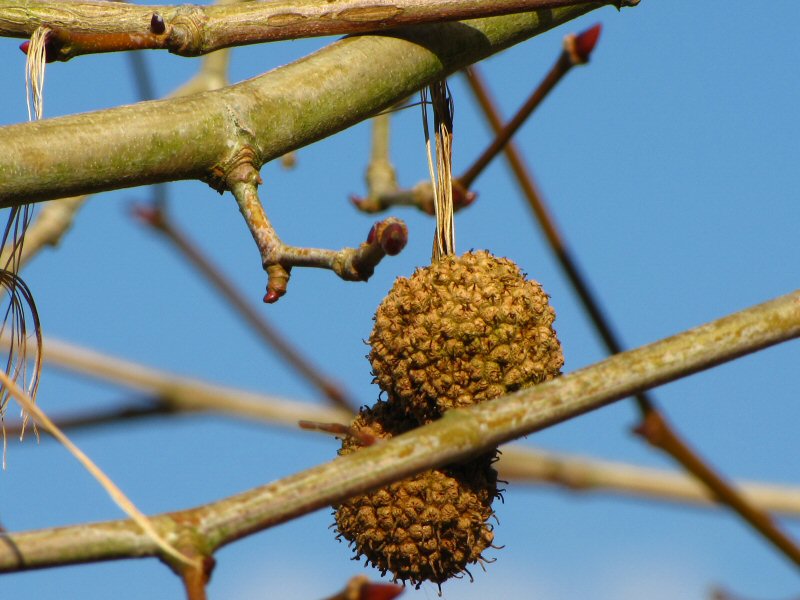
(463, 330)
(426, 528)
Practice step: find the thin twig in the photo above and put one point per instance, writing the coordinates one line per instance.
(577, 51)
(111, 416)
(652, 421)
(51, 224)
(386, 237)
(196, 578)
(458, 435)
(166, 549)
(190, 30)
(159, 220)
(660, 434)
(185, 393)
(380, 176)
(523, 464)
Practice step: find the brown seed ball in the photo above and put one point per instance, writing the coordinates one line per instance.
(425, 528)
(463, 330)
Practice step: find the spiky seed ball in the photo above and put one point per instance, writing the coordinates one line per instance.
(463, 330)
(425, 528)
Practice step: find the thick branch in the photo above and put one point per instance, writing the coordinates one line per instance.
(83, 27)
(457, 436)
(196, 137)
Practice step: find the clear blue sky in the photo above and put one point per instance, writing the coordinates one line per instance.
(671, 164)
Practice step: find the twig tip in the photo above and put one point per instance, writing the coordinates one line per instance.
(586, 41)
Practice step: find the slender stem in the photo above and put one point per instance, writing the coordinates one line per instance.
(655, 429)
(387, 237)
(184, 393)
(112, 416)
(159, 220)
(523, 464)
(561, 67)
(84, 27)
(195, 580)
(458, 435)
(672, 443)
(51, 224)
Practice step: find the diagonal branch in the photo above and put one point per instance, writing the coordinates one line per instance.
(580, 474)
(654, 427)
(84, 27)
(458, 435)
(202, 136)
(158, 219)
(185, 393)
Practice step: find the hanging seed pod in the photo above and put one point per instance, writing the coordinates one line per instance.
(429, 527)
(463, 330)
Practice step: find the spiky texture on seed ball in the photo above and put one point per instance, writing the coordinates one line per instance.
(425, 528)
(463, 330)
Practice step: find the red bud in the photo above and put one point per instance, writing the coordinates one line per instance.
(149, 215)
(50, 48)
(380, 591)
(271, 297)
(371, 235)
(393, 239)
(586, 41)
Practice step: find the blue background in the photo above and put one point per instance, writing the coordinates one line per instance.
(671, 164)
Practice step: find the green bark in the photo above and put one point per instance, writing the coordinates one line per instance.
(284, 109)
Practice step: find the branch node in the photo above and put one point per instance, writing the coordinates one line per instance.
(242, 166)
(186, 31)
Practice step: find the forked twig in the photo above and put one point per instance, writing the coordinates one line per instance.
(386, 237)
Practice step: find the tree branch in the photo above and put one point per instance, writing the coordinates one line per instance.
(654, 426)
(84, 27)
(522, 464)
(197, 137)
(158, 219)
(458, 435)
(185, 393)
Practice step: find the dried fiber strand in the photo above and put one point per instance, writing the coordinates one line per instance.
(20, 298)
(441, 182)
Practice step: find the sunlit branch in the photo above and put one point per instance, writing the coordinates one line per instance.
(458, 435)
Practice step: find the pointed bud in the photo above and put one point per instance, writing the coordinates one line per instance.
(380, 591)
(371, 235)
(157, 24)
(50, 48)
(586, 41)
